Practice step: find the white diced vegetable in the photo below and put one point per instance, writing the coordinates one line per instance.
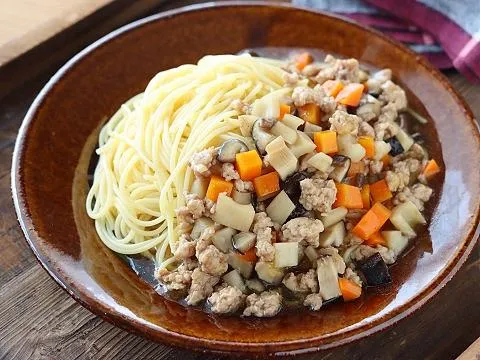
(303, 145)
(334, 216)
(281, 158)
(268, 107)
(233, 278)
(241, 197)
(200, 186)
(287, 133)
(266, 271)
(344, 141)
(333, 235)
(320, 161)
(246, 124)
(232, 214)
(395, 241)
(327, 278)
(255, 285)
(244, 241)
(280, 208)
(222, 239)
(310, 129)
(199, 226)
(348, 253)
(236, 261)
(404, 139)
(381, 149)
(405, 217)
(286, 254)
(355, 152)
(292, 121)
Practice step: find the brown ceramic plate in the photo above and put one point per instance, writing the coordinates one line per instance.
(58, 135)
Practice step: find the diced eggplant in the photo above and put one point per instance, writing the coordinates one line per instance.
(255, 285)
(291, 185)
(334, 216)
(286, 254)
(230, 149)
(299, 211)
(261, 137)
(233, 278)
(327, 278)
(320, 161)
(341, 165)
(280, 208)
(244, 241)
(200, 186)
(333, 235)
(267, 272)
(241, 197)
(396, 147)
(243, 266)
(199, 226)
(375, 270)
(222, 239)
(225, 209)
(395, 241)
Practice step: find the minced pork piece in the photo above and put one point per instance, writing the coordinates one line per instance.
(344, 123)
(303, 230)
(177, 279)
(229, 173)
(267, 304)
(303, 95)
(185, 247)
(340, 69)
(202, 286)
(317, 194)
(306, 282)
(226, 300)
(202, 161)
(213, 261)
(418, 194)
(313, 301)
(393, 94)
(262, 227)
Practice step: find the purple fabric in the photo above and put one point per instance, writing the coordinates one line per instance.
(446, 32)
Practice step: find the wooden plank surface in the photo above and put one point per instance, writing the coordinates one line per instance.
(40, 321)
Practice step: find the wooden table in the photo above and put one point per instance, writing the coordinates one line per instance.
(40, 321)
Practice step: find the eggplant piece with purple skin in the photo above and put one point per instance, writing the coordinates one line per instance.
(375, 271)
(397, 147)
(341, 165)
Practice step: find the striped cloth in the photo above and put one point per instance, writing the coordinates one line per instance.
(447, 32)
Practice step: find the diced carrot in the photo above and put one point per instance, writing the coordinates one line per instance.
(387, 160)
(303, 60)
(332, 87)
(217, 186)
(266, 185)
(380, 191)
(350, 94)
(431, 169)
(310, 113)
(365, 192)
(372, 221)
(376, 239)
(350, 291)
(368, 144)
(249, 255)
(356, 168)
(326, 141)
(284, 109)
(348, 196)
(249, 164)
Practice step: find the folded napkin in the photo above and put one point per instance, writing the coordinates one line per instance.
(447, 32)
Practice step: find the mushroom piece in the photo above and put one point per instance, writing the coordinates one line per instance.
(375, 270)
(229, 149)
(341, 165)
(261, 137)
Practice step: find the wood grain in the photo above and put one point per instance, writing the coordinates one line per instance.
(40, 321)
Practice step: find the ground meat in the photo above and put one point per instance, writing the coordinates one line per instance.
(229, 173)
(303, 95)
(340, 69)
(209, 207)
(375, 82)
(267, 304)
(388, 113)
(226, 300)
(179, 279)
(365, 129)
(351, 275)
(243, 186)
(313, 301)
(240, 106)
(204, 240)
(337, 259)
(399, 178)
(185, 248)
(317, 194)
(322, 175)
(306, 282)
(388, 255)
(385, 130)
(393, 94)
(262, 226)
(418, 194)
(344, 123)
(291, 78)
(363, 252)
(202, 286)
(202, 161)
(193, 209)
(213, 261)
(416, 151)
(375, 166)
(312, 69)
(303, 230)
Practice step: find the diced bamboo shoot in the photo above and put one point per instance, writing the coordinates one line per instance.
(246, 124)
(281, 158)
(222, 239)
(232, 214)
(405, 217)
(327, 278)
(381, 149)
(303, 145)
(320, 161)
(255, 285)
(280, 208)
(355, 152)
(395, 241)
(199, 226)
(244, 241)
(233, 278)
(286, 254)
(333, 235)
(200, 186)
(267, 272)
(292, 121)
(404, 139)
(287, 133)
(334, 216)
